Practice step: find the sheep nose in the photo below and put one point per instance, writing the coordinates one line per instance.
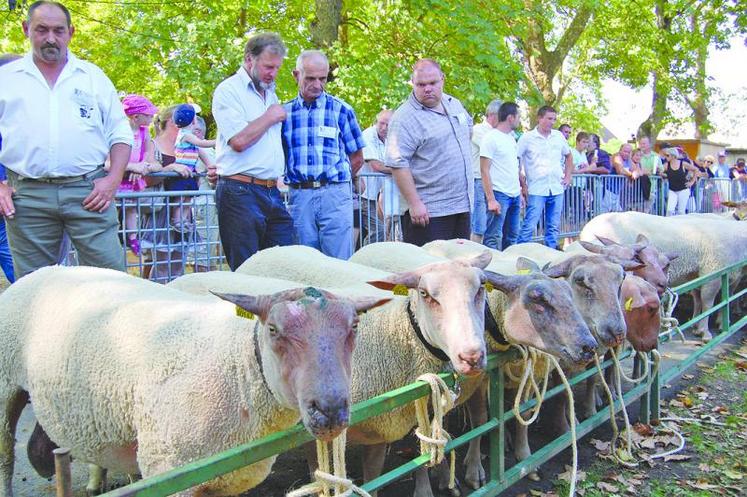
(474, 359)
(587, 352)
(330, 414)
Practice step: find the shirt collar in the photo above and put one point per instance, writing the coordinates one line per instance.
(73, 63)
(445, 101)
(318, 101)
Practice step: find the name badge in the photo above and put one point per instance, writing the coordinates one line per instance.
(462, 118)
(327, 132)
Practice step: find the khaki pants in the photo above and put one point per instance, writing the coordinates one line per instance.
(45, 210)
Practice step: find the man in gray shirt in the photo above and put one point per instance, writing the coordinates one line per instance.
(428, 149)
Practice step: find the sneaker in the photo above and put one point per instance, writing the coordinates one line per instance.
(134, 245)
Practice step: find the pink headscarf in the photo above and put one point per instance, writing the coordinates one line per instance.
(138, 104)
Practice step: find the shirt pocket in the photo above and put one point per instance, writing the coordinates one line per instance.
(83, 107)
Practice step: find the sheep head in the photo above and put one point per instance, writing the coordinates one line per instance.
(595, 283)
(306, 342)
(448, 301)
(641, 308)
(539, 312)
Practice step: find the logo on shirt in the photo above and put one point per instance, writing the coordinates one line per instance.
(84, 102)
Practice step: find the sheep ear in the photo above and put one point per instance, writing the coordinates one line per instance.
(642, 240)
(363, 304)
(560, 270)
(408, 279)
(592, 247)
(480, 260)
(506, 284)
(524, 264)
(631, 265)
(671, 256)
(606, 241)
(259, 305)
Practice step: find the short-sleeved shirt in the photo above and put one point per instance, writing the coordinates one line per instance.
(651, 163)
(478, 133)
(579, 161)
(500, 148)
(374, 150)
(541, 158)
(318, 137)
(436, 148)
(60, 132)
(236, 103)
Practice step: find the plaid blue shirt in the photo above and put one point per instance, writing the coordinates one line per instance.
(318, 138)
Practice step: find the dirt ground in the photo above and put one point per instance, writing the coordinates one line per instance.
(290, 469)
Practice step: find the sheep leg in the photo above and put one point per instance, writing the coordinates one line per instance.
(96, 480)
(443, 472)
(373, 462)
(589, 400)
(14, 404)
(311, 460)
(708, 294)
(521, 447)
(477, 408)
(39, 450)
(422, 483)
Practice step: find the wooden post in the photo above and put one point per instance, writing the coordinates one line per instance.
(63, 477)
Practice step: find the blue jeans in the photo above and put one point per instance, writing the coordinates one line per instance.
(479, 213)
(6, 261)
(323, 218)
(250, 218)
(553, 207)
(503, 229)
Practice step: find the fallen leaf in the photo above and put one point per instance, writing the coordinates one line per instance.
(687, 402)
(732, 474)
(677, 457)
(688, 376)
(705, 468)
(741, 365)
(719, 460)
(702, 485)
(643, 430)
(676, 403)
(599, 445)
(607, 487)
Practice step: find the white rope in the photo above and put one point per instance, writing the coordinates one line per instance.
(432, 435)
(613, 421)
(675, 433)
(618, 366)
(572, 416)
(670, 324)
(325, 481)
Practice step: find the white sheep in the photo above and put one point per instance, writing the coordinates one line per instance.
(703, 246)
(136, 377)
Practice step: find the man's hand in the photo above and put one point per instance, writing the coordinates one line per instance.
(566, 181)
(7, 208)
(212, 174)
(419, 213)
(102, 194)
(494, 207)
(276, 113)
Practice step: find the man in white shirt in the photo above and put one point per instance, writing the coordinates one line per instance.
(249, 150)
(479, 210)
(373, 164)
(540, 152)
(500, 177)
(59, 118)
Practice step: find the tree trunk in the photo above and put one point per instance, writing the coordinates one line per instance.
(325, 27)
(699, 102)
(653, 124)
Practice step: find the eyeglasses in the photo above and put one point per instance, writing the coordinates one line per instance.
(709, 162)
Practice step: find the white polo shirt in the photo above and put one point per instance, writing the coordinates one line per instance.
(478, 133)
(64, 131)
(374, 150)
(541, 159)
(236, 102)
(500, 148)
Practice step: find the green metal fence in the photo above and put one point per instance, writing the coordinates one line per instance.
(500, 478)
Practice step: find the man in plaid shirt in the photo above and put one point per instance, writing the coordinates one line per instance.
(323, 151)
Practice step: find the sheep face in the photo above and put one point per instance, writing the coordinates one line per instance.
(306, 342)
(654, 264)
(641, 309)
(539, 312)
(596, 285)
(448, 301)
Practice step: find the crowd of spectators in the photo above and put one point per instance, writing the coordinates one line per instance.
(296, 172)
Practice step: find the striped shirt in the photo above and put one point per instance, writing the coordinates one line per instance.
(436, 148)
(185, 152)
(318, 138)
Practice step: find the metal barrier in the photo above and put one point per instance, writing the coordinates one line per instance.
(500, 478)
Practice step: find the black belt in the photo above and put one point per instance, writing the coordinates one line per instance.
(308, 185)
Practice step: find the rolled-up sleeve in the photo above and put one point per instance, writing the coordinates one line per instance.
(351, 132)
(400, 145)
(116, 125)
(225, 112)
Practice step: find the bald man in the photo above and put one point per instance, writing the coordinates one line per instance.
(323, 145)
(429, 152)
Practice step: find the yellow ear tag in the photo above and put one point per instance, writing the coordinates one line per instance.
(400, 290)
(243, 313)
(489, 287)
(629, 304)
(500, 347)
(523, 271)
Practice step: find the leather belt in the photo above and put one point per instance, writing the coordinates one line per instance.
(243, 178)
(307, 185)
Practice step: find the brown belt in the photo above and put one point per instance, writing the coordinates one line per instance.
(243, 178)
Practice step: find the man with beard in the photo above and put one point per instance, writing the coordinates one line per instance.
(59, 118)
(249, 154)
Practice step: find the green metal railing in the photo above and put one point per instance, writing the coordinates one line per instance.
(500, 478)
